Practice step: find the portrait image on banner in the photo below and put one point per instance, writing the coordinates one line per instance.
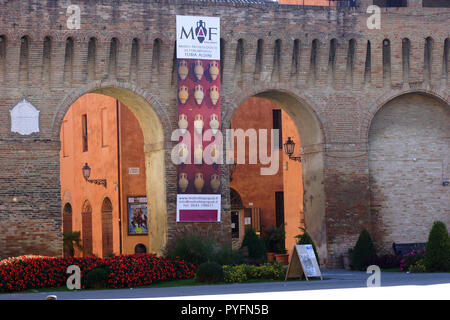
(137, 215)
(200, 143)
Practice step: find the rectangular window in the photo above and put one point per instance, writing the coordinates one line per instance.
(276, 115)
(84, 132)
(64, 139)
(104, 128)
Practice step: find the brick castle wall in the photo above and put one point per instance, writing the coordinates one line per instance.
(338, 84)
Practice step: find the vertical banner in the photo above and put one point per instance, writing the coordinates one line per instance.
(199, 149)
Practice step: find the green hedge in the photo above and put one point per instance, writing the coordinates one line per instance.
(209, 272)
(241, 273)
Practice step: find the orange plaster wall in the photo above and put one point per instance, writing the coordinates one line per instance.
(254, 188)
(293, 186)
(102, 158)
(131, 156)
(260, 190)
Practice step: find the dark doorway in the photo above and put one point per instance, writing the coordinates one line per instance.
(279, 208)
(140, 248)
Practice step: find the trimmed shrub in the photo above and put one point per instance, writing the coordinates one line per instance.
(255, 246)
(269, 271)
(362, 251)
(209, 272)
(234, 274)
(71, 240)
(225, 255)
(96, 278)
(305, 238)
(191, 248)
(280, 247)
(271, 238)
(437, 253)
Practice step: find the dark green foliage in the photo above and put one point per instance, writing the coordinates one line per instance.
(362, 251)
(71, 240)
(271, 238)
(280, 235)
(255, 247)
(209, 272)
(274, 239)
(96, 278)
(437, 252)
(225, 255)
(191, 248)
(305, 238)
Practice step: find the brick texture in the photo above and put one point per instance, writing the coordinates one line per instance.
(333, 111)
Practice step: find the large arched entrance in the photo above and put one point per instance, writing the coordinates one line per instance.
(409, 148)
(148, 203)
(296, 189)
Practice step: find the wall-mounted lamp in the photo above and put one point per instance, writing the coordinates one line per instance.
(87, 173)
(289, 147)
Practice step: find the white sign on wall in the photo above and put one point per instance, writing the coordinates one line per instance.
(198, 37)
(198, 207)
(133, 170)
(24, 118)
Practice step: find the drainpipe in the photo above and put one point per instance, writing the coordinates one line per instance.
(118, 176)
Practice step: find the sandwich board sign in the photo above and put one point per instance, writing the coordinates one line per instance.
(303, 261)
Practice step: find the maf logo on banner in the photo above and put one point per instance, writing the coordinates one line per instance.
(198, 37)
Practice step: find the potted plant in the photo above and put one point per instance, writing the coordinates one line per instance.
(270, 241)
(281, 254)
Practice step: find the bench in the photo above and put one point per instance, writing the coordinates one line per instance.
(403, 248)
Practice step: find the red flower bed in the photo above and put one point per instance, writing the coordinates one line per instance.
(27, 272)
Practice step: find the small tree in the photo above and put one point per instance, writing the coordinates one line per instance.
(191, 247)
(71, 240)
(270, 237)
(305, 238)
(255, 246)
(363, 250)
(281, 240)
(437, 252)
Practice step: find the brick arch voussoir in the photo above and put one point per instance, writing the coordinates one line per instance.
(441, 96)
(153, 101)
(240, 95)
